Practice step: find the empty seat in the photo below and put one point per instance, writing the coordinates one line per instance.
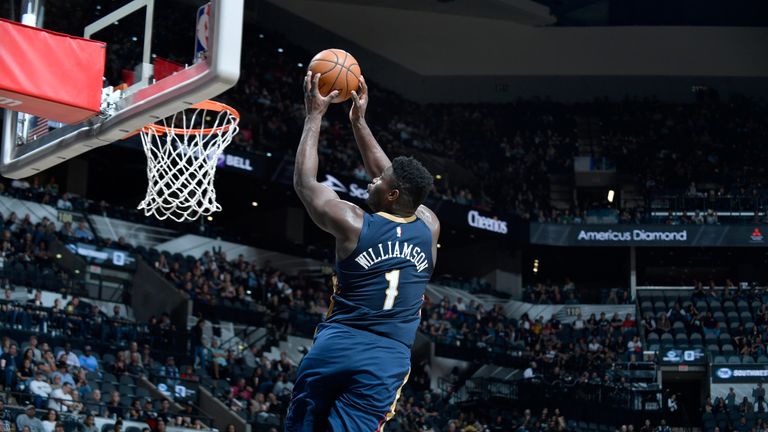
(719, 316)
(727, 349)
(747, 359)
(696, 340)
(734, 359)
(746, 317)
(762, 359)
(720, 360)
(681, 340)
(713, 349)
(127, 380)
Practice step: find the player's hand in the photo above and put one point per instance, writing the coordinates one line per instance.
(314, 102)
(359, 102)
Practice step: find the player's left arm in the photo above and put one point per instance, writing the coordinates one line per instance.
(433, 223)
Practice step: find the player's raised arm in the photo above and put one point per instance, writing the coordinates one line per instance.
(374, 158)
(340, 218)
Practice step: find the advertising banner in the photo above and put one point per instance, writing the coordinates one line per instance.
(749, 373)
(649, 235)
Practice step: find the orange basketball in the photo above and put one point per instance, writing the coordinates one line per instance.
(338, 71)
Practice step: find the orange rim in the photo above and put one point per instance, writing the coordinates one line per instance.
(207, 105)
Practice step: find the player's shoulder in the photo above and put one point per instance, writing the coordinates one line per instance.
(428, 217)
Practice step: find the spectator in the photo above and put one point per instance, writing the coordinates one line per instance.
(61, 399)
(82, 233)
(49, 424)
(93, 403)
(63, 374)
(88, 361)
(662, 427)
(114, 409)
(28, 419)
(40, 388)
(9, 364)
(68, 356)
(6, 420)
(171, 373)
(89, 424)
(758, 393)
(251, 357)
(218, 358)
(64, 203)
(530, 372)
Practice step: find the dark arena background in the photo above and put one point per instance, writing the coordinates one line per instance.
(601, 178)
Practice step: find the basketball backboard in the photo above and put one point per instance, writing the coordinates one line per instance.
(150, 93)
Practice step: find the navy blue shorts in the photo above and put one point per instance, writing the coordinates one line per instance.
(349, 381)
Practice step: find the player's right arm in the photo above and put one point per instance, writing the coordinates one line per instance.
(340, 218)
(374, 158)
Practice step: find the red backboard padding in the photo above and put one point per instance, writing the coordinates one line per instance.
(52, 75)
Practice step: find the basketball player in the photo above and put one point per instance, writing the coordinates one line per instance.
(351, 378)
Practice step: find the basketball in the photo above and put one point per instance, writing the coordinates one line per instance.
(338, 71)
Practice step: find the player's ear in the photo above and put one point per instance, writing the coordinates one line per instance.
(393, 195)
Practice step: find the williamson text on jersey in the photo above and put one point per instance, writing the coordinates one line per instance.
(393, 250)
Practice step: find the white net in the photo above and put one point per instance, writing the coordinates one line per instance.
(183, 152)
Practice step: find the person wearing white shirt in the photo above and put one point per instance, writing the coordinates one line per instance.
(61, 399)
(594, 345)
(460, 305)
(68, 356)
(50, 421)
(40, 388)
(530, 372)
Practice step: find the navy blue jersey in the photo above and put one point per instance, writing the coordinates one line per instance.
(380, 285)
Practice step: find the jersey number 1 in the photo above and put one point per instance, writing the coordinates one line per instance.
(394, 278)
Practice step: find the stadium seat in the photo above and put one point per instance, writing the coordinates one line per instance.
(762, 359)
(720, 360)
(646, 307)
(109, 359)
(710, 339)
(728, 306)
(701, 306)
(747, 359)
(727, 349)
(660, 307)
(126, 390)
(734, 359)
(713, 349)
(742, 306)
(666, 338)
(719, 316)
(127, 380)
(108, 377)
(746, 317)
(696, 340)
(681, 340)
(142, 393)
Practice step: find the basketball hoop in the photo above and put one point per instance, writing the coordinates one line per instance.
(183, 151)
